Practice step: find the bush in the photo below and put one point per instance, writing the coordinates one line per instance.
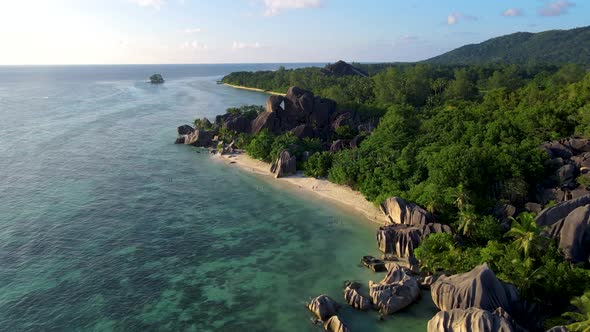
(284, 142)
(344, 168)
(250, 111)
(345, 132)
(435, 252)
(311, 145)
(203, 124)
(318, 164)
(486, 229)
(260, 146)
(583, 180)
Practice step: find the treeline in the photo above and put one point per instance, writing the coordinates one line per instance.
(457, 141)
(442, 128)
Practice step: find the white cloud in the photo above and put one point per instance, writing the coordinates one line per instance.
(275, 7)
(193, 30)
(150, 3)
(556, 8)
(195, 45)
(512, 12)
(242, 45)
(454, 18)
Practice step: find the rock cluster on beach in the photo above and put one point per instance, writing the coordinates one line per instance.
(298, 112)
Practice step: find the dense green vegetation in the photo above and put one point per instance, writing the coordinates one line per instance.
(556, 46)
(581, 318)
(457, 140)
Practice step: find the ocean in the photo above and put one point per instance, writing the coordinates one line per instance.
(106, 225)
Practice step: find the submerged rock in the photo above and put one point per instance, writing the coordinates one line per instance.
(469, 320)
(479, 288)
(373, 263)
(323, 307)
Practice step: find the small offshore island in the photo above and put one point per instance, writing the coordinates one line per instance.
(492, 162)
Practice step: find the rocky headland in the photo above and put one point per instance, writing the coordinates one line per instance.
(472, 301)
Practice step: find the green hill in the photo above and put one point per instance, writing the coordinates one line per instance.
(553, 47)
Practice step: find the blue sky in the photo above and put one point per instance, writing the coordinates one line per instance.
(237, 31)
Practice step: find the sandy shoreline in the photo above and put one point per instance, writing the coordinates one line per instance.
(254, 89)
(342, 196)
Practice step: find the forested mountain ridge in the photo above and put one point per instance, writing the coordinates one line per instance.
(553, 47)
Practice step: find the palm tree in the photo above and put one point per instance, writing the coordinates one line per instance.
(467, 219)
(526, 233)
(582, 318)
(461, 197)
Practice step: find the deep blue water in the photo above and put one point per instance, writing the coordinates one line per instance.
(105, 225)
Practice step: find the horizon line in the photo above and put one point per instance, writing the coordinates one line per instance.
(189, 64)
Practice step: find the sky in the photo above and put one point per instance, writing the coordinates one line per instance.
(264, 31)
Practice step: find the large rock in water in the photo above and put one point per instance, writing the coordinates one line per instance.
(356, 300)
(401, 240)
(197, 138)
(185, 130)
(284, 165)
(323, 307)
(479, 288)
(574, 237)
(400, 212)
(469, 320)
(334, 324)
(395, 292)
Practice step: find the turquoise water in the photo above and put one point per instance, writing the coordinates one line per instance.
(106, 225)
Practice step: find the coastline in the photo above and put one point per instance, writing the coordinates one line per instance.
(342, 196)
(254, 89)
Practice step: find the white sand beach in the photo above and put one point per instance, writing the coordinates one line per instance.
(342, 196)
